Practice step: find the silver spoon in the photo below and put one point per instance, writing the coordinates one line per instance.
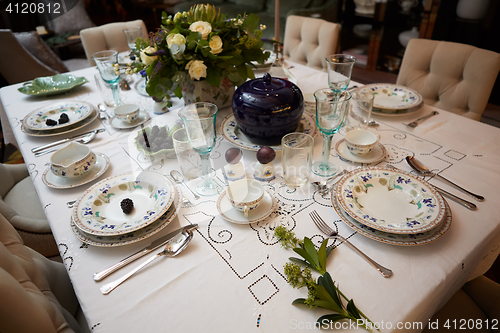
(84, 139)
(173, 248)
(179, 179)
(102, 111)
(423, 170)
(322, 186)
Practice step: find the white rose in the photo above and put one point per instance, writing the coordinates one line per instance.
(201, 26)
(147, 60)
(177, 16)
(215, 45)
(197, 69)
(175, 39)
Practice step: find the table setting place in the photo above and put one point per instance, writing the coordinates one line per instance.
(371, 193)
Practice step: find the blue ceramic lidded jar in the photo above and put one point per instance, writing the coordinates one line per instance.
(267, 108)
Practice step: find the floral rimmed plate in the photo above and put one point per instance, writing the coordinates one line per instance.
(140, 86)
(60, 131)
(231, 214)
(231, 132)
(75, 110)
(98, 210)
(376, 155)
(134, 236)
(395, 239)
(52, 85)
(390, 98)
(389, 200)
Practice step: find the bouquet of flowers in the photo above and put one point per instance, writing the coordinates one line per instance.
(200, 44)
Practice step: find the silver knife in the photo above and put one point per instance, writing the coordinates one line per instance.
(52, 144)
(153, 246)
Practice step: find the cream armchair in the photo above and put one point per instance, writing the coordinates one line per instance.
(310, 40)
(451, 76)
(108, 37)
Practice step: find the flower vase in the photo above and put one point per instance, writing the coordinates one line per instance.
(201, 91)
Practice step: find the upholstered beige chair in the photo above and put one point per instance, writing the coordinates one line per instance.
(108, 37)
(451, 76)
(20, 205)
(310, 40)
(36, 293)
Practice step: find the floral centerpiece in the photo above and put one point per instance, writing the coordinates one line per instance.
(200, 46)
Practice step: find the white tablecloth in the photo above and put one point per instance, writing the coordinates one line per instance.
(230, 278)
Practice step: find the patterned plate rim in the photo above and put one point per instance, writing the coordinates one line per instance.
(409, 106)
(249, 146)
(381, 158)
(432, 224)
(57, 127)
(82, 227)
(84, 123)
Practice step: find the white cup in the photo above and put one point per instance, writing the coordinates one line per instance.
(127, 112)
(245, 195)
(361, 142)
(72, 161)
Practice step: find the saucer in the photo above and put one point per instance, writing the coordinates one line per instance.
(101, 165)
(119, 124)
(228, 212)
(376, 155)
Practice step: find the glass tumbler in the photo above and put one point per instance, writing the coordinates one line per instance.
(296, 158)
(189, 160)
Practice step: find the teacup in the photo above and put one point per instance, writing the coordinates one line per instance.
(361, 142)
(72, 161)
(127, 112)
(245, 195)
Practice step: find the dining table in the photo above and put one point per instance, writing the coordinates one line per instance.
(231, 275)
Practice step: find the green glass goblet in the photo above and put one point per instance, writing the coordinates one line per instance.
(105, 62)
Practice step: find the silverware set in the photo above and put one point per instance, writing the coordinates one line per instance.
(82, 138)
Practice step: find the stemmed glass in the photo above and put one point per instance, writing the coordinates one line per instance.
(331, 111)
(132, 34)
(106, 61)
(339, 71)
(199, 122)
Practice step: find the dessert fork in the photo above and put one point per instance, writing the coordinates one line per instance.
(333, 234)
(414, 123)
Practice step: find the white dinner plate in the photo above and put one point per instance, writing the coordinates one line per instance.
(390, 200)
(376, 155)
(140, 86)
(55, 132)
(391, 97)
(53, 181)
(98, 210)
(119, 124)
(75, 110)
(134, 236)
(231, 214)
(390, 238)
(232, 133)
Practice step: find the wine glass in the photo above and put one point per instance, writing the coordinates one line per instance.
(339, 71)
(106, 61)
(199, 122)
(331, 111)
(132, 34)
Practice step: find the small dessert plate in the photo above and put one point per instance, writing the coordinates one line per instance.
(376, 155)
(231, 214)
(140, 86)
(119, 124)
(53, 181)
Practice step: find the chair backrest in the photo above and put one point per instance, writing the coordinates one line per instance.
(18, 64)
(310, 40)
(108, 37)
(451, 76)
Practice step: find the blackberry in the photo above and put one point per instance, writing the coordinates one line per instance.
(127, 205)
(50, 122)
(63, 118)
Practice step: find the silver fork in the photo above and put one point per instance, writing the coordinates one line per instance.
(187, 203)
(333, 234)
(414, 123)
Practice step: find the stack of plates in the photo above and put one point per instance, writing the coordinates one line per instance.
(391, 206)
(97, 218)
(79, 113)
(392, 99)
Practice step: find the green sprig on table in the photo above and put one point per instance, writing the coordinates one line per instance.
(323, 293)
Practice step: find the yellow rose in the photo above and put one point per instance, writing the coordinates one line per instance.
(215, 45)
(175, 39)
(148, 60)
(202, 27)
(177, 17)
(197, 69)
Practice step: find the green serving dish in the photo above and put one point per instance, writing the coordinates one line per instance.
(52, 85)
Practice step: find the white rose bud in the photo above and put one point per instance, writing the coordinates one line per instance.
(147, 60)
(197, 69)
(215, 45)
(177, 17)
(202, 27)
(175, 39)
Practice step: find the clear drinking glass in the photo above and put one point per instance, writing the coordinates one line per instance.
(188, 158)
(360, 111)
(339, 71)
(331, 111)
(296, 158)
(199, 122)
(105, 61)
(132, 34)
